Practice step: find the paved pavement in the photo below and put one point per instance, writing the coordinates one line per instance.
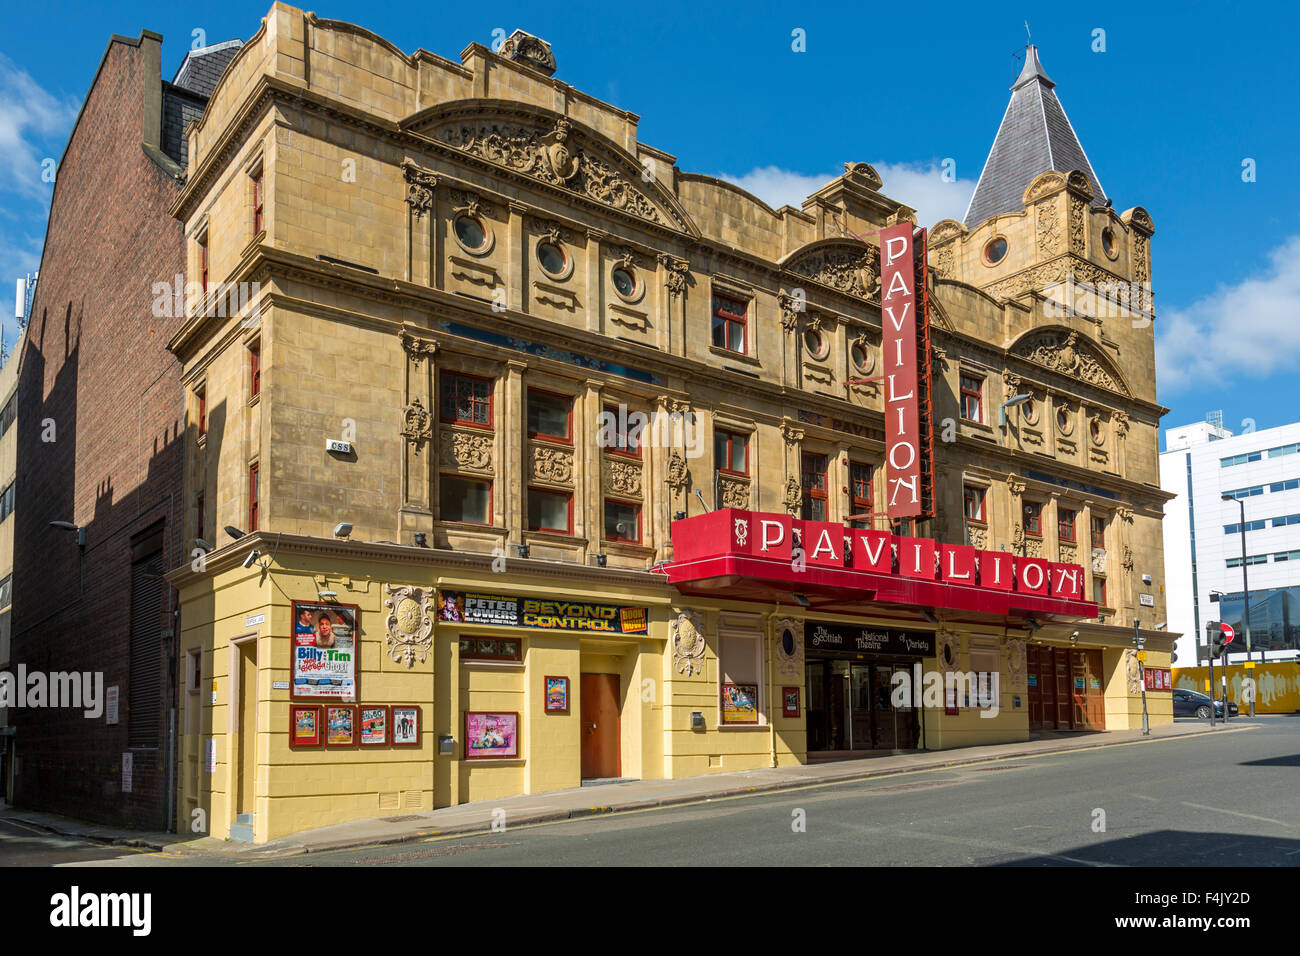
(583, 802)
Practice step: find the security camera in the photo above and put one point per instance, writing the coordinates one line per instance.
(1146, 579)
(342, 529)
(251, 558)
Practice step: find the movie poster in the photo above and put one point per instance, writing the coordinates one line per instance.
(740, 703)
(325, 647)
(374, 726)
(491, 735)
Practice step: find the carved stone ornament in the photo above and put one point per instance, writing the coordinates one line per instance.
(677, 471)
(1098, 560)
(1033, 547)
(1066, 354)
(529, 50)
(416, 348)
(852, 268)
(623, 477)
(733, 492)
(417, 424)
(552, 156)
(1121, 423)
(677, 273)
(790, 433)
(863, 174)
(1049, 229)
(1015, 485)
(791, 307)
(793, 494)
(789, 650)
(1128, 559)
(410, 624)
(1018, 536)
(977, 537)
(625, 257)
(1125, 513)
(551, 231)
(947, 650)
(687, 637)
(1016, 661)
(552, 464)
(1069, 555)
(1133, 670)
(467, 450)
(945, 263)
(420, 184)
(470, 204)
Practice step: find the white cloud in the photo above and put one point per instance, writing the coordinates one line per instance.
(918, 185)
(32, 123)
(1251, 327)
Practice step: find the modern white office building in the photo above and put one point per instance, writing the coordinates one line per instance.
(1203, 555)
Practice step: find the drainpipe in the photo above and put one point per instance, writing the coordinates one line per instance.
(771, 695)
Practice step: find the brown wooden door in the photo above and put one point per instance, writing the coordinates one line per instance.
(600, 736)
(1034, 678)
(1064, 699)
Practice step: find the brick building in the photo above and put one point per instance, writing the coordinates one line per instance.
(99, 442)
(451, 569)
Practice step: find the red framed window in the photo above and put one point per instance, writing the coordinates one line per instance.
(731, 452)
(1033, 519)
(203, 412)
(861, 475)
(198, 505)
(257, 202)
(1065, 524)
(973, 501)
(255, 369)
(252, 498)
(463, 499)
(622, 521)
(203, 263)
(466, 400)
(1098, 531)
(624, 430)
(550, 511)
(972, 398)
(730, 324)
(550, 416)
(814, 487)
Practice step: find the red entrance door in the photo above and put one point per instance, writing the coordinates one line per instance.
(600, 736)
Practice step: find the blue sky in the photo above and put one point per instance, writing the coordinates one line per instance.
(1181, 96)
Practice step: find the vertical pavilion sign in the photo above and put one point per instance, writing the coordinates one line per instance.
(899, 352)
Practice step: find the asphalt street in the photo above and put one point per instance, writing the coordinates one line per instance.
(1224, 799)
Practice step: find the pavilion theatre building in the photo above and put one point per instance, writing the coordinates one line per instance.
(518, 457)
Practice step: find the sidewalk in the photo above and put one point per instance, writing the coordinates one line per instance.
(595, 800)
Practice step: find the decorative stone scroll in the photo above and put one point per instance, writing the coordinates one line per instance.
(417, 424)
(687, 638)
(410, 624)
(420, 184)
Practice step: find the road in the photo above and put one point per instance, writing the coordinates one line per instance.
(1224, 799)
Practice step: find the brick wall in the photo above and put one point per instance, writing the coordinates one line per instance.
(96, 370)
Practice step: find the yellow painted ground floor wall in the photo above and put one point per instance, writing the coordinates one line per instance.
(1277, 685)
(239, 771)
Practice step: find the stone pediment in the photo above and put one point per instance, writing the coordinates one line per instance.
(1071, 354)
(555, 150)
(846, 265)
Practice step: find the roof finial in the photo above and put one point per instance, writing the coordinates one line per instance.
(1028, 36)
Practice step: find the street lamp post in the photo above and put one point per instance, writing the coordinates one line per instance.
(1142, 679)
(1245, 588)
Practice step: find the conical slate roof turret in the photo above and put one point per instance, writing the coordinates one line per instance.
(1035, 136)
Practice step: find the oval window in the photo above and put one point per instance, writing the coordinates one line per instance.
(1031, 413)
(995, 251)
(816, 343)
(1063, 421)
(861, 358)
(624, 282)
(1094, 428)
(1108, 243)
(787, 642)
(552, 258)
(470, 232)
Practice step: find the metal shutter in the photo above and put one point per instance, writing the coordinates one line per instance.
(144, 690)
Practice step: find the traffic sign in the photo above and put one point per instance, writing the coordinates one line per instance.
(1142, 656)
(1228, 633)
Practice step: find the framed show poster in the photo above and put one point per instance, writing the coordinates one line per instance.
(789, 701)
(740, 703)
(326, 644)
(374, 726)
(304, 725)
(406, 725)
(557, 695)
(491, 735)
(340, 725)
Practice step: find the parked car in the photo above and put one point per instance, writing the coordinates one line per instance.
(1191, 703)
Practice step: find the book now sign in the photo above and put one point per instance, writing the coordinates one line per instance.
(899, 568)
